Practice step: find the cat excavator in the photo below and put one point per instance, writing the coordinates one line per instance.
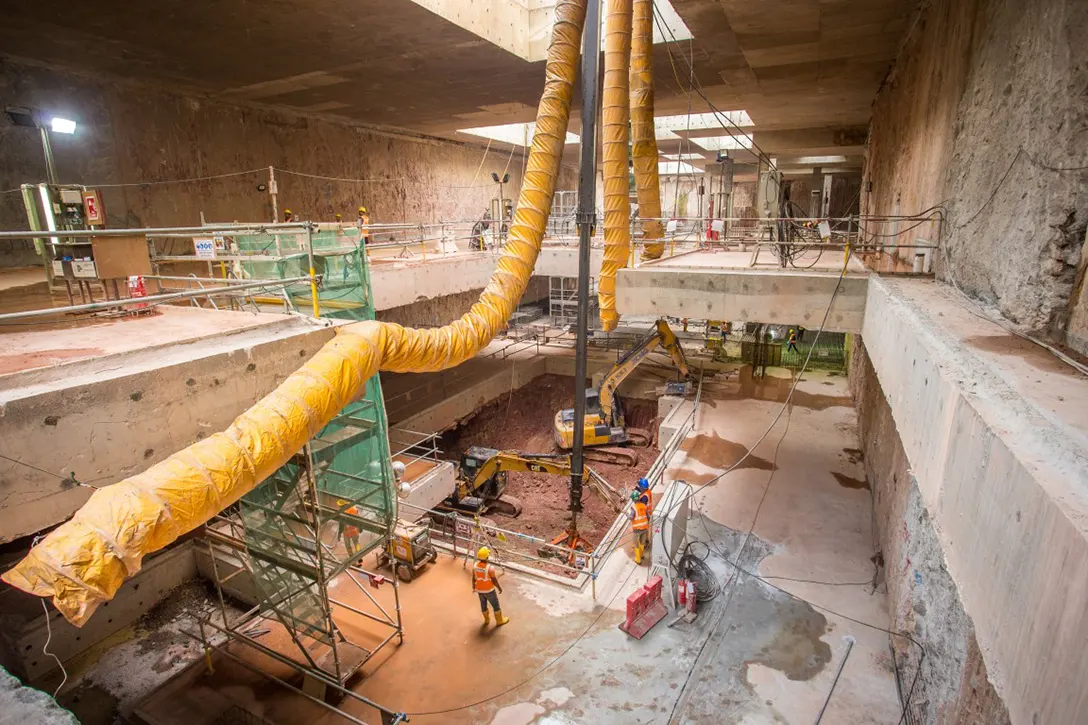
(481, 479)
(604, 422)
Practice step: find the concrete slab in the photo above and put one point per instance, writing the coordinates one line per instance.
(994, 430)
(817, 261)
(35, 347)
(106, 416)
(776, 297)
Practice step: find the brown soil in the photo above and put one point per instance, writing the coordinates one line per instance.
(525, 424)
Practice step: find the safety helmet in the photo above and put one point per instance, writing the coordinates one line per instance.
(483, 554)
(643, 484)
(362, 210)
(634, 495)
(287, 212)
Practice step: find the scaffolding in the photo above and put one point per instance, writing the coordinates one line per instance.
(563, 300)
(301, 536)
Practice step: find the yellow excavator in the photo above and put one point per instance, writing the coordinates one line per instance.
(481, 478)
(604, 422)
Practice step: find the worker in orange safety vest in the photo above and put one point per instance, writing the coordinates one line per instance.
(485, 582)
(640, 525)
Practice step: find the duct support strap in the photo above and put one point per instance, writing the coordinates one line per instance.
(644, 139)
(83, 562)
(615, 114)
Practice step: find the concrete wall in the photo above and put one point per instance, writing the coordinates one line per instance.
(923, 600)
(994, 442)
(110, 417)
(985, 105)
(135, 133)
(438, 311)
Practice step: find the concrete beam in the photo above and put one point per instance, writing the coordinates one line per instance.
(404, 282)
(996, 433)
(778, 297)
(108, 417)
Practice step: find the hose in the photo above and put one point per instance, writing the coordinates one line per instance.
(644, 138)
(615, 114)
(83, 562)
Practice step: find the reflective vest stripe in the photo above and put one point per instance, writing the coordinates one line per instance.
(641, 522)
(482, 574)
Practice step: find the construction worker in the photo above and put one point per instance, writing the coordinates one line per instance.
(288, 215)
(645, 495)
(351, 532)
(364, 225)
(640, 524)
(485, 582)
(792, 346)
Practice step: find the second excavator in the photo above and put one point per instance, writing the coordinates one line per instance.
(604, 421)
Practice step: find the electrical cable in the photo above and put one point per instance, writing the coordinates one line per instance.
(45, 650)
(178, 181)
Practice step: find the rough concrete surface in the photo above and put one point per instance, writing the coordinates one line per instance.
(1006, 89)
(923, 598)
(994, 430)
(21, 705)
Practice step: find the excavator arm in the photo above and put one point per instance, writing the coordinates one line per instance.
(660, 335)
(515, 461)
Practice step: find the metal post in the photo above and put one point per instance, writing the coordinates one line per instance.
(47, 148)
(313, 273)
(587, 192)
(274, 192)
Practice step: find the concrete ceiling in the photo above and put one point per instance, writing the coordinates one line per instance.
(805, 70)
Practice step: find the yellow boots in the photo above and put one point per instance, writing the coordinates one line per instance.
(639, 549)
(499, 619)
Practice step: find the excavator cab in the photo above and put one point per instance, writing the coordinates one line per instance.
(604, 423)
(471, 494)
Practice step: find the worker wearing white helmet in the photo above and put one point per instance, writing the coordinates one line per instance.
(485, 582)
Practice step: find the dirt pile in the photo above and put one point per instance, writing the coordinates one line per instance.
(524, 422)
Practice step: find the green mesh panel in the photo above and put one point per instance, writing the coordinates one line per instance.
(351, 454)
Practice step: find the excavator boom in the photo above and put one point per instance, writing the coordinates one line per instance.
(604, 419)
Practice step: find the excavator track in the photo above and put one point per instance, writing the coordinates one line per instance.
(503, 506)
(615, 456)
(639, 437)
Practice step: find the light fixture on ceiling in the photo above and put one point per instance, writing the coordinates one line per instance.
(63, 125)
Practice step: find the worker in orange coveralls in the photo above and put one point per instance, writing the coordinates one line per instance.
(485, 582)
(640, 524)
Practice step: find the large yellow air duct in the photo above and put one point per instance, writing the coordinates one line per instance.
(83, 562)
(644, 140)
(615, 112)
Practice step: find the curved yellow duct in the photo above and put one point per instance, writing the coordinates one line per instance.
(83, 562)
(644, 139)
(615, 112)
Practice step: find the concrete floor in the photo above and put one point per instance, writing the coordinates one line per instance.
(755, 655)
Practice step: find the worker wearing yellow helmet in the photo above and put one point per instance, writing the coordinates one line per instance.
(364, 225)
(485, 582)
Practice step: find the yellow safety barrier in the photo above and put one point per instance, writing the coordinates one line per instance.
(83, 562)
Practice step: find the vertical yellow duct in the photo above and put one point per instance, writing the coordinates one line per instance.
(644, 140)
(83, 562)
(615, 112)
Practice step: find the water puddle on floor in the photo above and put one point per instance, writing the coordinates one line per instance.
(713, 451)
(848, 482)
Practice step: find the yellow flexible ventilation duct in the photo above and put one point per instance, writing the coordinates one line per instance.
(615, 112)
(644, 140)
(83, 562)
